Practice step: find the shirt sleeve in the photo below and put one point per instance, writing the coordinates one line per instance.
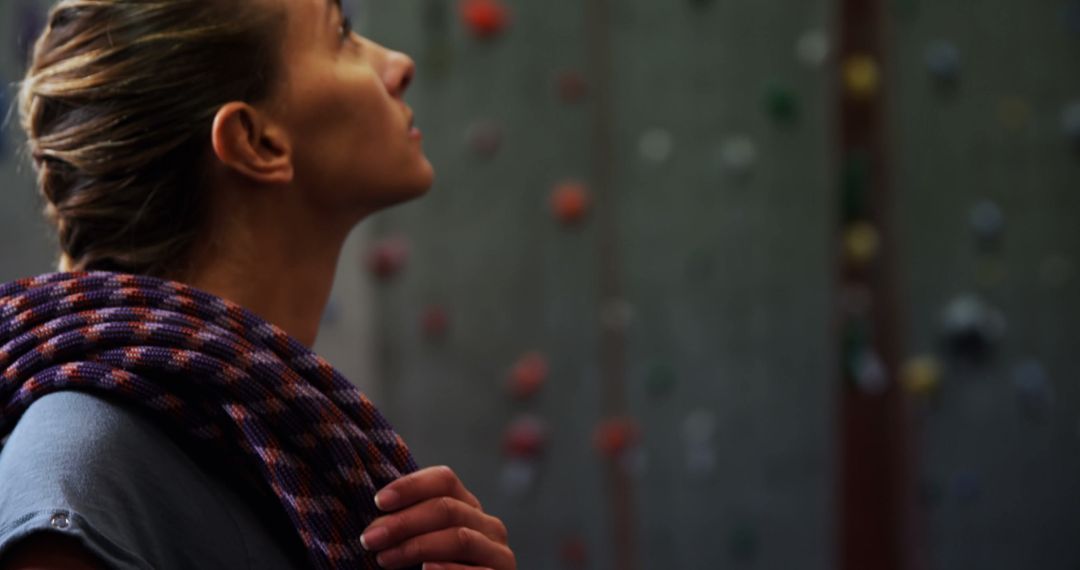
(83, 466)
(70, 523)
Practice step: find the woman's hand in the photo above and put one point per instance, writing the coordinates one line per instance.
(436, 521)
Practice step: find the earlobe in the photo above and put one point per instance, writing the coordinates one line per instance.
(245, 141)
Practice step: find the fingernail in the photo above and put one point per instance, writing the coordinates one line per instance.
(375, 538)
(386, 499)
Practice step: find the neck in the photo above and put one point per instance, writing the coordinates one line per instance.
(281, 271)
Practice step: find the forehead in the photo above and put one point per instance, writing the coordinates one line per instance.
(307, 19)
(308, 12)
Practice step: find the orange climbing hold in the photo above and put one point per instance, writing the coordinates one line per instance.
(528, 375)
(485, 18)
(615, 435)
(570, 202)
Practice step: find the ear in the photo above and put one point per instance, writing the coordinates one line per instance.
(247, 142)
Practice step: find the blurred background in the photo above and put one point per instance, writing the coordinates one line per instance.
(722, 283)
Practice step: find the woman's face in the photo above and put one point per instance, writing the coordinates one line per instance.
(353, 142)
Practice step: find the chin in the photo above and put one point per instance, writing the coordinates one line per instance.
(427, 175)
(400, 194)
(423, 186)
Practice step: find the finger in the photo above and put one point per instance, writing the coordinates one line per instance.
(424, 484)
(451, 566)
(430, 516)
(463, 545)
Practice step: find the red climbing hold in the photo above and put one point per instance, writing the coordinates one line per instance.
(485, 18)
(615, 435)
(528, 375)
(436, 322)
(388, 257)
(570, 202)
(525, 438)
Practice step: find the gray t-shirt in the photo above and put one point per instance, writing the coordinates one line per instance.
(85, 466)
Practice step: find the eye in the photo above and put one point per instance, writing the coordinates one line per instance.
(346, 28)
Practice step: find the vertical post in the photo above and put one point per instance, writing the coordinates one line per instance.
(612, 339)
(875, 514)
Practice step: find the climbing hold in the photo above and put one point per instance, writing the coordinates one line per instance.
(862, 77)
(570, 202)
(656, 145)
(614, 436)
(922, 376)
(861, 242)
(987, 223)
(528, 375)
(870, 373)
(435, 322)
(943, 62)
(812, 48)
(388, 257)
(518, 477)
(738, 155)
(971, 329)
(525, 438)
(485, 18)
(484, 137)
(782, 104)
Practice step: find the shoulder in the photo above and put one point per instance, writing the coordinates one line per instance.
(75, 431)
(93, 471)
(90, 448)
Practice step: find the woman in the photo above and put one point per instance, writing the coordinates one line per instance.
(203, 162)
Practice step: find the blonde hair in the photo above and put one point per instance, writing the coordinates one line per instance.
(118, 103)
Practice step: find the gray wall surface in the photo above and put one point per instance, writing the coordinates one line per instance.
(999, 476)
(728, 278)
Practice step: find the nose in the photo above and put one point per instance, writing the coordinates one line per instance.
(400, 69)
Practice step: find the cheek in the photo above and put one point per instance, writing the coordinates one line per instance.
(331, 99)
(341, 123)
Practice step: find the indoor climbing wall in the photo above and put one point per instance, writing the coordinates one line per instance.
(986, 115)
(618, 313)
(609, 314)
